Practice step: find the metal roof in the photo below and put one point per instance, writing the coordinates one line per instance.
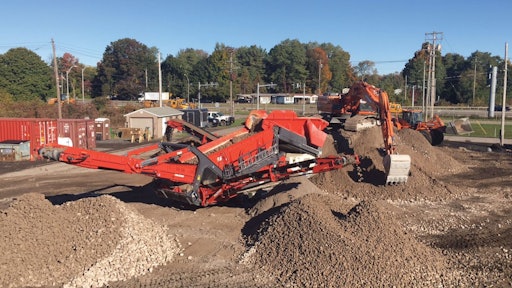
(159, 111)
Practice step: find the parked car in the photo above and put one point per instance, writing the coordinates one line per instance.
(499, 108)
(223, 119)
(213, 122)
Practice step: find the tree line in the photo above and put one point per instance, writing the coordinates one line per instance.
(129, 68)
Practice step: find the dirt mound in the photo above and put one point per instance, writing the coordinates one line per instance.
(284, 193)
(428, 164)
(85, 243)
(315, 242)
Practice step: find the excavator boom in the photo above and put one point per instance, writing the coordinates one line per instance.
(348, 106)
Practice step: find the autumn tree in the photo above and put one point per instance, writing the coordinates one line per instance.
(319, 69)
(69, 68)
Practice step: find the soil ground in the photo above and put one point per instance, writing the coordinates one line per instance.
(450, 225)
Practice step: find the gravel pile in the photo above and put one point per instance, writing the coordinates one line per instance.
(429, 165)
(85, 243)
(313, 242)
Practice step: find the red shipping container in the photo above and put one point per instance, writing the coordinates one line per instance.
(91, 134)
(77, 133)
(38, 131)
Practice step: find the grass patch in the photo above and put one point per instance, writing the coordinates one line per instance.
(489, 130)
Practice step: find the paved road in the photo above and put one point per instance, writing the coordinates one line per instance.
(476, 140)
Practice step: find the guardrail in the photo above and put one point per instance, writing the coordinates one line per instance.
(484, 108)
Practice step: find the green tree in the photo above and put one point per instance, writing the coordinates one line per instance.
(364, 70)
(219, 72)
(416, 69)
(395, 82)
(478, 64)
(286, 64)
(456, 66)
(127, 68)
(251, 67)
(172, 76)
(339, 64)
(24, 75)
(178, 72)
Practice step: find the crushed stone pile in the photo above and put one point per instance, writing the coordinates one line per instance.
(85, 243)
(429, 165)
(314, 242)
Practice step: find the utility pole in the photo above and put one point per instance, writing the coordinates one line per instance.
(503, 106)
(146, 77)
(434, 36)
(159, 79)
(231, 68)
(474, 81)
(271, 85)
(303, 86)
(83, 93)
(303, 98)
(211, 84)
(56, 71)
(188, 88)
(67, 82)
(319, 76)
(405, 89)
(492, 92)
(423, 92)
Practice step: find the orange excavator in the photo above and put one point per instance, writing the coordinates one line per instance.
(359, 108)
(433, 130)
(362, 107)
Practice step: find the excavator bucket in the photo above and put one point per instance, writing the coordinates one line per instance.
(397, 168)
(461, 126)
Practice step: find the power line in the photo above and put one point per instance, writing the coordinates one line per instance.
(432, 49)
(381, 62)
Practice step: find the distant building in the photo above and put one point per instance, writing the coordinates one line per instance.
(154, 119)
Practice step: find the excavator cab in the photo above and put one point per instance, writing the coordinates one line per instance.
(366, 108)
(413, 117)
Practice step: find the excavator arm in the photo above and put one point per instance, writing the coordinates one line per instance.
(349, 108)
(397, 166)
(379, 101)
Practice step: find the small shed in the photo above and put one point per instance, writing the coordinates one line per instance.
(152, 119)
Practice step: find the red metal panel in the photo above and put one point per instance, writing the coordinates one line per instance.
(38, 131)
(91, 134)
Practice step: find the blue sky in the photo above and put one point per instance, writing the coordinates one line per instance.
(385, 32)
